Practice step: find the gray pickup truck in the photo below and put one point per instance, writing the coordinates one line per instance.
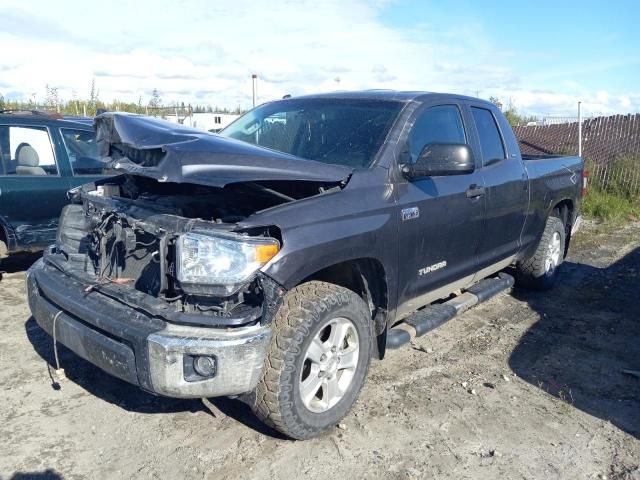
(273, 261)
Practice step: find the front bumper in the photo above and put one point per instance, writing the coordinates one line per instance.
(142, 349)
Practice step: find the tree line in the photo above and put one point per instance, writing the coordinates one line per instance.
(510, 111)
(155, 106)
(90, 105)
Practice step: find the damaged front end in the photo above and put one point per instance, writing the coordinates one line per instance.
(175, 244)
(174, 304)
(154, 280)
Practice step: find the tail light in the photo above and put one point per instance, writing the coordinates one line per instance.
(585, 178)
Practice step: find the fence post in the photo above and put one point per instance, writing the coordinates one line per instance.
(579, 130)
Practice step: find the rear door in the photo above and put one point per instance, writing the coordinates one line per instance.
(505, 184)
(441, 216)
(33, 185)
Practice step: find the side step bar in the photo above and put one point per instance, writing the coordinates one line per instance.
(433, 316)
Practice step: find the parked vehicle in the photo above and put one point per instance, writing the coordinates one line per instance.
(273, 261)
(42, 156)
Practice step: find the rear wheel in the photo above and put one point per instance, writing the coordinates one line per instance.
(317, 362)
(541, 270)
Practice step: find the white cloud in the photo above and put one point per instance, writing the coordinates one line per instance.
(543, 103)
(204, 52)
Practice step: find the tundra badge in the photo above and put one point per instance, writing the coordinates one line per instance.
(432, 268)
(410, 213)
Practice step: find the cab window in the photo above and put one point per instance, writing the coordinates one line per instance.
(490, 139)
(440, 124)
(26, 151)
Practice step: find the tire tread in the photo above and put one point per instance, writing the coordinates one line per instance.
(291, 326)
(531, 272)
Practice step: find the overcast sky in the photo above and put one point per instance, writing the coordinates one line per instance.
(544, 55)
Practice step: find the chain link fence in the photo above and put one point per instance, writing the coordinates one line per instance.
(554, 120)
(610, 146)
(620, 177)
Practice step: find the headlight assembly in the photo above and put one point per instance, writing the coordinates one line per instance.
(217, 260)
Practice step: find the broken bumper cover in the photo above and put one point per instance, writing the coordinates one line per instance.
(140, 349)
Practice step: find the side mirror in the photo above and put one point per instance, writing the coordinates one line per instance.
(441, 159)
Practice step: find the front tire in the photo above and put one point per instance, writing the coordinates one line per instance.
(541, 270)
(317, 361)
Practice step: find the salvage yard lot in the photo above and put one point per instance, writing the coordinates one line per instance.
(529, 385)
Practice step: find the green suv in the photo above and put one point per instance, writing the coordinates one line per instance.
(42, 155)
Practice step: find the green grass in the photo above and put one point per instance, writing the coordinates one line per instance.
(610, 207)
(619, 202)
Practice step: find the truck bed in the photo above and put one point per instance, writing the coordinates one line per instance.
(540, 156)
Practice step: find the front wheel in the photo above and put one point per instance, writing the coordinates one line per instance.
(541, 270)
(317, 362)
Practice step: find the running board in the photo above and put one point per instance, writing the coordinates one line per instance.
(433, 316)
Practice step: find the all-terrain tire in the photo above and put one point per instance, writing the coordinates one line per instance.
(535, 272)
(302, 315)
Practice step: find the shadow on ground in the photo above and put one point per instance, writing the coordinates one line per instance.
(587, 336)
(44, 475)
(19, 262)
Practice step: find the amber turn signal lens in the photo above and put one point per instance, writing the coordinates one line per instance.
(264, 253)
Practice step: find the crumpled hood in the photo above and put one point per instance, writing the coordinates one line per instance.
(171, 152)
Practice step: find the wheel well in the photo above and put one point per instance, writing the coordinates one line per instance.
(564, 210)
(364, 276)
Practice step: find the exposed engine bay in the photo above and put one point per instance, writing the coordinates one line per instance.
(229, 204)
(126, 231)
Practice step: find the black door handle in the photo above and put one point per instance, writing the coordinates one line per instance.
(475, 191)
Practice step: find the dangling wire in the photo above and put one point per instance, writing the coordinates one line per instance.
(59, 371)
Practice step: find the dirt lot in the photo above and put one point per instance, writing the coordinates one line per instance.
(527, 385)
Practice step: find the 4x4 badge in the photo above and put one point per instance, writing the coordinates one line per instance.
(410, 213)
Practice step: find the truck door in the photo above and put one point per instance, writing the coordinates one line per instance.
(32, 187)
(506, 186)
(441, 216)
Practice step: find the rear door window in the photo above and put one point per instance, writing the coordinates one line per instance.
(26, 151)
(490, 139)
(82, 151)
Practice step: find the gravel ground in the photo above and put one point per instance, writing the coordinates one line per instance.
(528, 385)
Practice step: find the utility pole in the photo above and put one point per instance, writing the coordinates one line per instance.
(254, 84)
(579, 130)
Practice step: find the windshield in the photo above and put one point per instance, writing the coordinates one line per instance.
(331, 130)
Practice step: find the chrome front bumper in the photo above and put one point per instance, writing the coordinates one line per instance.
(143, 350)
(239, 355)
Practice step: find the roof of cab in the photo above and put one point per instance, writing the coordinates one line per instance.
(394, 95)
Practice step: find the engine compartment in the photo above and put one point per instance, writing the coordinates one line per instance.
(230, 204)
(122, 234)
